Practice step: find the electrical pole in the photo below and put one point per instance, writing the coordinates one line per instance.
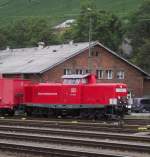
(90, 37)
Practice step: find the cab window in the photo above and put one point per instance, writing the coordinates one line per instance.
(75, 81)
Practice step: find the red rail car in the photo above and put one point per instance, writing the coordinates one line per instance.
(11, 94)
(78, 95)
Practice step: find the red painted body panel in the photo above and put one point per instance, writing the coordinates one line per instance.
(11, 92)
(73, 94)
(53, 94)
(43, 93)
(101, 93)
(98, 94)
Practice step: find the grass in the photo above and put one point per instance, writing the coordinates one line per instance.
(58, 10)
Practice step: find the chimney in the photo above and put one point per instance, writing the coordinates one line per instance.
(7, 48)
(71, 42)
(41, 45)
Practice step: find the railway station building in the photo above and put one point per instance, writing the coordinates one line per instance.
(49, 63)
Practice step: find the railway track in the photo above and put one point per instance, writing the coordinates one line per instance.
(78, 142)
(126, 121)
(74, 133)
(113, 127)
(51, 152)
(137, 121)
(39, 139)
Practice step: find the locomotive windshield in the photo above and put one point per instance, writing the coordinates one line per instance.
(79, 79)
(75, 81)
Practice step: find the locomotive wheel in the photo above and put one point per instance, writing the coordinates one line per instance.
(28, 111)
(2, 112)
(7, 112)
(11, 113)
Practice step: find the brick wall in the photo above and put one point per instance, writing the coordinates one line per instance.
(147, 87)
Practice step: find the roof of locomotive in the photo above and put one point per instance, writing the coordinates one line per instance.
(75, 76)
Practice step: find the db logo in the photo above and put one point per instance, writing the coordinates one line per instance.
(73, 90)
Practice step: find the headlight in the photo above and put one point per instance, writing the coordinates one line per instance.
(113, 101)
(129, 106)
(121, 90)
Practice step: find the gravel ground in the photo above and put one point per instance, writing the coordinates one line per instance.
(138, 115)
(10, 154)
(6, 154)
(142, 134)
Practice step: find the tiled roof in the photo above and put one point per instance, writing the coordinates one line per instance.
(39, 60)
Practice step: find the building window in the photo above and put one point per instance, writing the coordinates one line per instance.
(100, 74)
(86, 71)
(94, 53)
(79, 71)
(109, 74)
(67, 72)
(120, 75)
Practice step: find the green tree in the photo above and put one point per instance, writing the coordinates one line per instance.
(139, 33)
(27, 33)
(139, 28)
(106, 27)
(3, 37)
(142, 58)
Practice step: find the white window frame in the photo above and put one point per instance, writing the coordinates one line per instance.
(109, 74)
(79, 71)
(120, 75)
(100, 74)
(67, 71)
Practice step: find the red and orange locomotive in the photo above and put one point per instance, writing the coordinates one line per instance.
(78, 95)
